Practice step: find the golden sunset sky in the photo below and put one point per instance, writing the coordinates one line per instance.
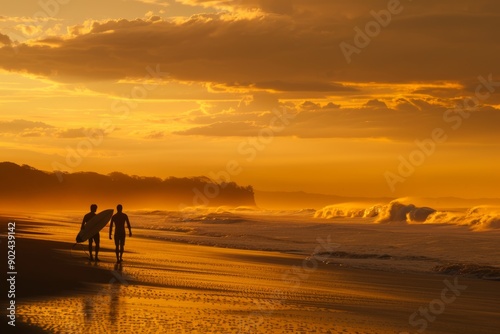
(322, 96)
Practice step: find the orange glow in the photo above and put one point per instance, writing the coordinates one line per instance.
(181, 90)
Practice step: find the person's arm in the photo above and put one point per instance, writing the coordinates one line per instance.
(83, 224)
(111, 228)
(128, 225)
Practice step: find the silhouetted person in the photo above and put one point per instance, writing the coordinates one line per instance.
(96, 237)
(119, 219)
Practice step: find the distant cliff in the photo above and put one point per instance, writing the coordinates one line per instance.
(29, 188)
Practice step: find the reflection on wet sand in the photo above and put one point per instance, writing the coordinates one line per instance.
(166, 287)
(114, 298)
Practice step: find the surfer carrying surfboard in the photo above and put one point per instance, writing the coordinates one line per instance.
(96, 237)
(119, 219)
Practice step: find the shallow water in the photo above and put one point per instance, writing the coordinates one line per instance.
(364, 244)
(298, 285)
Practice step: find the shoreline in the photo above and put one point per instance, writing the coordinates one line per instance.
(44, 271)
(365, 301)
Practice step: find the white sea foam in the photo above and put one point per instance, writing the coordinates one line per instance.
(348, 210)
(479, 218)
(395, 236)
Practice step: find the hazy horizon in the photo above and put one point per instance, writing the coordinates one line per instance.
(27, 189)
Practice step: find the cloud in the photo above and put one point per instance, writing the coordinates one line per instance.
(281, 7)
(405, 105)
(29, 30)
(161, 3)
(219, 4)
(5, 40)
(71, 133)
(331, 105)
(25, 128)
(311, 106)
(376, 104)
(338, 9)
(283, 53)
(408, 120)
(443, 92)
(156, 135)
(308, 105)
(290, 86)
(20, 125)
(291, 49)
(394, 124)
(28, 19)
(224, 129)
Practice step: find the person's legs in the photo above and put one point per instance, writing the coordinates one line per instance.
(90, 249)
(122, 247)
(117, 245)
(97, 239)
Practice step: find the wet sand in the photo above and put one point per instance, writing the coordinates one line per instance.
(166, 287)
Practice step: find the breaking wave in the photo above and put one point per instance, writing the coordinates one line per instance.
(470, 270)
(478, 218)
(399, 212)
(366, 256)
(341, 211)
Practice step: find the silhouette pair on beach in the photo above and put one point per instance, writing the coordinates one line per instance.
(119, 219)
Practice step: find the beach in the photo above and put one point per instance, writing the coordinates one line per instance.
(185, 286)
(277, 166)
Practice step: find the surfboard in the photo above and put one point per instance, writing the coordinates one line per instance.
(94, 225)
